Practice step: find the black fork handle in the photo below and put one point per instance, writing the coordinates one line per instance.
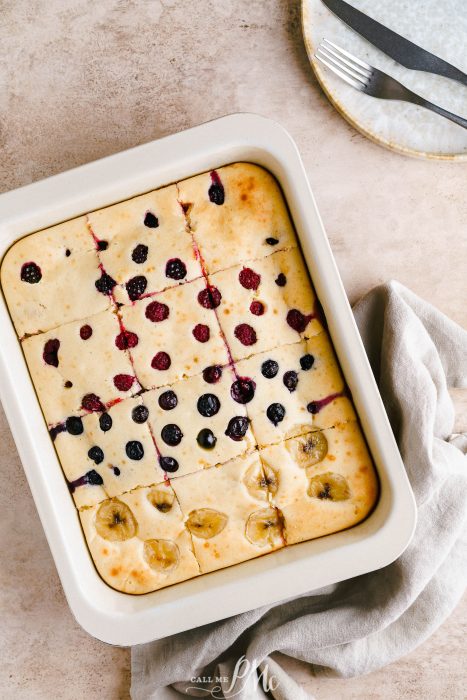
(438, 110)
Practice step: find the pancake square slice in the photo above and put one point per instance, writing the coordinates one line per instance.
(236, 213)
(323, 482)
(297, 388)
(49, 278)
(138, 541)
(228, 524)
(106, 454)
(266, 303)
(144, 245)
(82, 366)
(174, 334)
(196, 423)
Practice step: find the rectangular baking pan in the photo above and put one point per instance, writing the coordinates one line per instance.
(123, 619)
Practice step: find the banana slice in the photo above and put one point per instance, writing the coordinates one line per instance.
(206, 522)
(160, 498)
(329, 486)
(309, 449)
(115, 521)
(162, 555)
(264, 527)
(261, 481)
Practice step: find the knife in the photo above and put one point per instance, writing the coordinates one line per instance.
(397, 47)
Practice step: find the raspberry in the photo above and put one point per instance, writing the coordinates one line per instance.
(50, 354)
(216, 191)
(290, 380)
(105, 283)
(85, 332)
(248, 278)
(96, 454)
(31, 273)
(257, 308)
(201, 333)
(175, 269)
(161, 361)
(168, 400)
(91, 402)
(307, 361)
(169, 464)
(136, 287)
(140, 253)
(210, 298)
(281, 280)
(212, 374)
(269, 369)
(134, 450)
(275, 413)
(243, 390)
(171, 434)
(151, 220)
(245, 334)
(140, 414)
(208, 405)
(297, 320)
(155, 311)
(125, 340)
(237, 427)
(123, 382)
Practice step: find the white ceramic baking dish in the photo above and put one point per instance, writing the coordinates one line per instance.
(123, 619)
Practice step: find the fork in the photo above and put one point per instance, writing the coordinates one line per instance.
(372, 81)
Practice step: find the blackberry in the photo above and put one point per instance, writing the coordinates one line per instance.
(31, 273)
(136, 287)
(139, 254)
(175, 269)
(151, 220)
(105, 283)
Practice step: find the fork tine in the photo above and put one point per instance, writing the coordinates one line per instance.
(349, 55)
(354, 66)
(345, 76)
(341, 66)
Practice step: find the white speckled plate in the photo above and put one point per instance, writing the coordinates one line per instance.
(440, 26)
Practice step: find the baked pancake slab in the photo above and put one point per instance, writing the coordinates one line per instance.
(111, 452)
(49, 278)
(227, 523)
(143, 244)
(298, 388)
(175, 334)
(325, 481)
(138, 542)
(236, 213)
(265, 303)
(81, 366)
(197, 423)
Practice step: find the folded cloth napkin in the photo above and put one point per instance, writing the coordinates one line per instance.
(362, 624)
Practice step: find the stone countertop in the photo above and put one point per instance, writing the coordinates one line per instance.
(82, 80)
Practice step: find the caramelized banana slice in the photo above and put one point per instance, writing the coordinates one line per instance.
(162, 555)
(309, 449)
(161, 498)
(264, 527)
(115, 521)
(206, 522)
(329, 486)
(261, 481)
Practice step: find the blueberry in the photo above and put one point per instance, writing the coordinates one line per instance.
(151, 220)
(216, 191)
(313, 407)
(243, 390)
(116, 471)
(307, 361)
(290, 380)
(275, 413)
(60, 428)
(31, 273)
(206, 439)
(208, 405)
(237, 427)
(269, 369)
(105, 422)
(170, 464)
(140, 414)
(102, 245)
(50, 353)
(74, 425)
(168, 400)
(171, 434)
(68, 384)
(281, 280)
(67, 252)
(94, 478)
(140, 253)
(105, 283)
(96, 454)
(134, 450)
(272, 241)
(212, 374)
(136, 287)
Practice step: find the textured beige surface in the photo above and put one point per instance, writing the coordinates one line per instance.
(82, 80)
